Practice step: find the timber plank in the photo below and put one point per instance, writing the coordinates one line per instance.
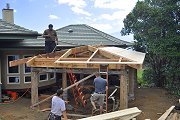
(125, 114)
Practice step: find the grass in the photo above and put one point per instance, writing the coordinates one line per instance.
(140, 80)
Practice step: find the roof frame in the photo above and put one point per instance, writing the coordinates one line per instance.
(73, 58)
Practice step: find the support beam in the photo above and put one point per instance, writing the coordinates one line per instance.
(131, 83)
(34, 86)
(69, 87)
(0, 84)
(64, 84)
(0, 93)
(123, 90)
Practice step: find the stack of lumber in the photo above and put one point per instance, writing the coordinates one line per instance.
(173, 116)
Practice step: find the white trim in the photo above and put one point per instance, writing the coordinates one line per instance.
(43, 74)
(53, 77)
(8, 66)
(13, 76)
(24, 56)
(24, 79)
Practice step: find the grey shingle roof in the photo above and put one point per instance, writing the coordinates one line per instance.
(82, 35)
(8, 28)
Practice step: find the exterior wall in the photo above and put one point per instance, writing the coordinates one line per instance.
(0, 82)
(0, 93)
(21, 74)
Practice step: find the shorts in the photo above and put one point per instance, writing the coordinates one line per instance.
(50, 46)
(98, 97)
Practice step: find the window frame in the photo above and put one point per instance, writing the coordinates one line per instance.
(13, 76)
(9, 66)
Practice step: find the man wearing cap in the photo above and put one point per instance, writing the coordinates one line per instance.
(51, 39)
(58, 107)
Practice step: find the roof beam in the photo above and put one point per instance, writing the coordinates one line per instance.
(79, 49)
(31, 61)
(19, 61)
(92, 55)
(91, 48)
(65, 55)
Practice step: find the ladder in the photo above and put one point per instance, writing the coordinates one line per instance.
(103, 70)
(76, 90)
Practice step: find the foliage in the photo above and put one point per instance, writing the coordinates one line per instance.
(140, 79)
(156, 28)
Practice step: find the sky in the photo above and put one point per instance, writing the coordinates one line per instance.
(104, 15)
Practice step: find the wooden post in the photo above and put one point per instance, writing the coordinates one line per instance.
(0, 93)
(0, 84)
(131, 83)
(64, 84)
(123, 90)
(34, 86)
(135, 78)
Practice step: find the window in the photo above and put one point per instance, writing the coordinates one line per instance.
(13, 80)
(52, 76)
(43, 77)
(14, 69)
(26, 68)
(27, 79)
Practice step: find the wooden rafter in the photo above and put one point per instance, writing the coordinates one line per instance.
(92, 55)
(66, 54)
(92, 48)
(31, 61)
(18, 62)
(85, 57)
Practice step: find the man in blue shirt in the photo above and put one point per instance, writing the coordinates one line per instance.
(99, 93)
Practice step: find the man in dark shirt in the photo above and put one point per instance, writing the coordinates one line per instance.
(99, 93)
(51, 39)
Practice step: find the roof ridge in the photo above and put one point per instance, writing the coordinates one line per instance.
(103, 33)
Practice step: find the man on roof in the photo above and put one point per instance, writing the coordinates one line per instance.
(51, 40)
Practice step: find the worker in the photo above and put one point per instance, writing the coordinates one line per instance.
(51, 40)
(99, 93)
(58, 106)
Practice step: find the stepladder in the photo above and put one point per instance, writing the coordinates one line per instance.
(76, 90)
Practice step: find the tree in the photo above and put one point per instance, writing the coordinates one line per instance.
(156, 28)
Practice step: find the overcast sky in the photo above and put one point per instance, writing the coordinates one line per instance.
(104, 15)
